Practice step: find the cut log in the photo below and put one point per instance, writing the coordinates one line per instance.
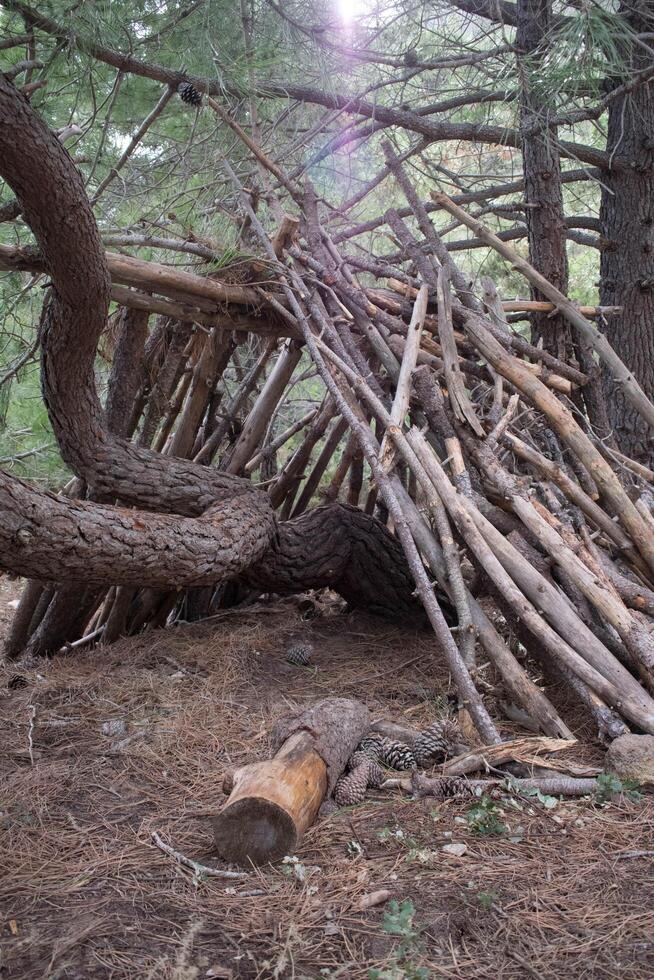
(272, 803)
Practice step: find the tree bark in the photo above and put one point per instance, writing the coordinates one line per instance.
(627, 267)
(546, 228)
(126, 369)
(273, 802)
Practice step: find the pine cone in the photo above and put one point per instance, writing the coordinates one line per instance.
(397, 755)
(387, 751)
(352, 788)
(189, 94)
(375, 772)
(436, 742)
(17, 682)
(371, 745)
(451, 787)
(300, 654)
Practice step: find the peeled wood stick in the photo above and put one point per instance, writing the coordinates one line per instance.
(291, 476)
(181, 310)
(590, 582)
(614, 456)
(504, 422)
(528, 749)
(622, 690)
(459, 399)
(209, 366)
(246, 386)
(573, 492)
(511, 305)
(563, 422)
(403, 389)
(456, 587)
(257, 420)
(433, 405)
(421, 785)
(468, 302)
(608, 604)
(314, 478)
(515, 679)
(634, 594)
(589, 331)
(331, 492)
(161, 442)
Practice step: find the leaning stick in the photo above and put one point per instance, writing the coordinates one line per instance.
(632, 700)
(403, 389)
(461, 404)
(279, 440)
(563, 422)
(623, 376)
(465, 685)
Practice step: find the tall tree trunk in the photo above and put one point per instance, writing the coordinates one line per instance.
(627, 265)
(542, 172)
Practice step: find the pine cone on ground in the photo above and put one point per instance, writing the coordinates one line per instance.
(17, 682)
(387, 751)
(189, 94)
(375, 772)
(351, 789)
(371, 745)
(436, 743)
(452, 787)
(300, 654)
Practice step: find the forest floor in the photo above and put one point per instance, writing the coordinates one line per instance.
(103, 747)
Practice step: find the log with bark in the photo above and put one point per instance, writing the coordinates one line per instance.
(272, 803)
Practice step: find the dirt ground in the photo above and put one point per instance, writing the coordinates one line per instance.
(105, 746)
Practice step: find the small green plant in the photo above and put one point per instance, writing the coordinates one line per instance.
(486, 899)
(484, 817)
(609, 785)
(549, 802)
(399, 921)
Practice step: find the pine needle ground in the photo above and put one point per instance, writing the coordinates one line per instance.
(103, 747)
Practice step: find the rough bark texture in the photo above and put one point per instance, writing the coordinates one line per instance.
(546, 227)
(339, 547)
(126, 368)
(627, 267)
(336, 725)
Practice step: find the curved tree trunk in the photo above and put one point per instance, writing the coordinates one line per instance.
(627, 264)
(339, 547)
(215, 526)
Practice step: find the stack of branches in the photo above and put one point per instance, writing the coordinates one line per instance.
(480, 448)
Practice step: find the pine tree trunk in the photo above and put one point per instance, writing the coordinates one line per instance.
(627, 264)
(544, 216)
